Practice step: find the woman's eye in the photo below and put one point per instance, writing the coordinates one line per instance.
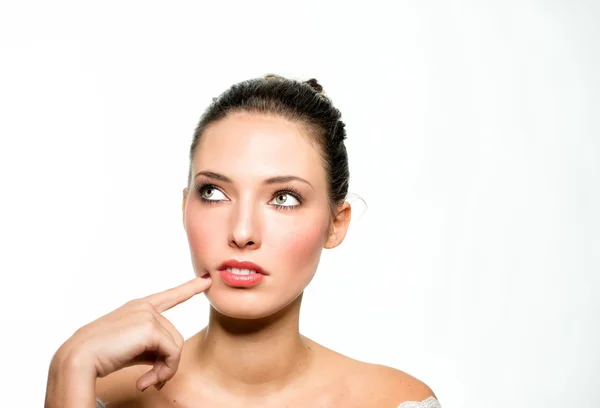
(208, 193)
(284, 200)
(211, 194)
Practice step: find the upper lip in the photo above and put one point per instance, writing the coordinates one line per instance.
(232, 263)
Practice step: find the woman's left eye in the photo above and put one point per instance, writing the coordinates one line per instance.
(283, 200)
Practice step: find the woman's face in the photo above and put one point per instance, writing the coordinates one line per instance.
(236, 213)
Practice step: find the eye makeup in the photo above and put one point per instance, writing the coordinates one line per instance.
(203, 186)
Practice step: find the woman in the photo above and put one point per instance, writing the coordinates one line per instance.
(266, 193)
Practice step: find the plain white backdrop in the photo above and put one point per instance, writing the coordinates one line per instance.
(473, 136)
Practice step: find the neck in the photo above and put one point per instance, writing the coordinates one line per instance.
(254, 356)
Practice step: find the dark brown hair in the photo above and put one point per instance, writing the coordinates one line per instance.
(302, 102)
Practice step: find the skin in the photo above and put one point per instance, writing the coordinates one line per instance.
(252, 354)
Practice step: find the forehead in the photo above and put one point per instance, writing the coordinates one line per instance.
(248, 145)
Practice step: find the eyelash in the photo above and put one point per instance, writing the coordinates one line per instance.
(286, 190)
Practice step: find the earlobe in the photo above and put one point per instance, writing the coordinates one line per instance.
(332, 241)
(331, 234)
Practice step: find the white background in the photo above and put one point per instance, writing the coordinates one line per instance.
(473, 137)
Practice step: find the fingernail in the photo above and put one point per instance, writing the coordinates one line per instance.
(159, 385)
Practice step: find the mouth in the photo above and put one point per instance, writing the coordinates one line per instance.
(241, 274)
(241, 268)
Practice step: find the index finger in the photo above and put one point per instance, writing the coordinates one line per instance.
(172, 297)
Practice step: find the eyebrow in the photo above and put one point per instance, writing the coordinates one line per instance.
(270, 180)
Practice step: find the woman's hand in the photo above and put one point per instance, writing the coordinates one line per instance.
(135, 333)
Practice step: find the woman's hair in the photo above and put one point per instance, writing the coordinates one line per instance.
(302, 102)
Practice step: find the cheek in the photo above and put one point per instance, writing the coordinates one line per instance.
(299, 245)
(202, 232)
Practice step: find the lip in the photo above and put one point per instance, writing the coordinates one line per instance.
(241, 281)
(232, 263)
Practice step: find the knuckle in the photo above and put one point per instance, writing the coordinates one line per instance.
(174, 364)
(149, 315)
(175, 351)
(145, 305)
(149, 326)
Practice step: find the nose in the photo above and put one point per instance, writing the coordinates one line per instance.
(245, 226)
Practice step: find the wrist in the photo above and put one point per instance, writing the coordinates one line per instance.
(68, 359)
(71, 381)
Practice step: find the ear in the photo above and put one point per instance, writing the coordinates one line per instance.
(339, 226)
(185, 192)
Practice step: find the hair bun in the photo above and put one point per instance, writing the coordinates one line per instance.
(315, 85)
(274, 76)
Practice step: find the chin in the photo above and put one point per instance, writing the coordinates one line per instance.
(244, 304)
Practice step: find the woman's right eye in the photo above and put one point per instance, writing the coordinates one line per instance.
(208, 193)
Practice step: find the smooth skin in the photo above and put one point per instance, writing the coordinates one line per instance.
(251, 354)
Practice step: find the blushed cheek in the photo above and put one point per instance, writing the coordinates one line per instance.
(300, 248)
(202, 234)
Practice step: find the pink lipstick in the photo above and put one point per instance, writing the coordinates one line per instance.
(241, 274)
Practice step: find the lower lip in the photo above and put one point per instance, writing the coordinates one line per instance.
(241, 281)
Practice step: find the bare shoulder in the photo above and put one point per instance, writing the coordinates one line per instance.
(372, 385)
(390, 387)
(118, 389)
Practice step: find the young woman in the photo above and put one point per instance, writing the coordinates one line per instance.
(266, 192)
